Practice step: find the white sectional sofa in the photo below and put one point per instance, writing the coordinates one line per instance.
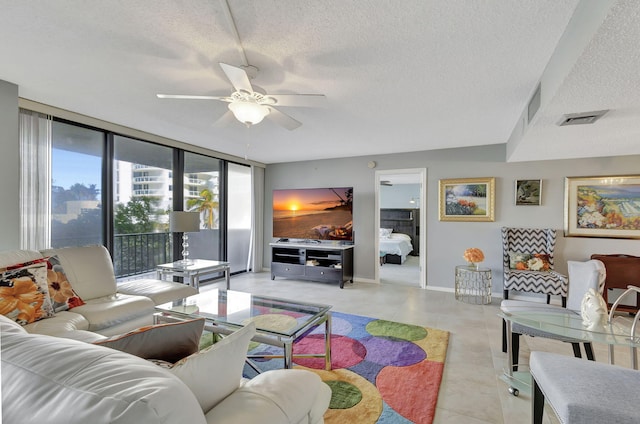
(109, 309)
(53, 371)
(62, 381)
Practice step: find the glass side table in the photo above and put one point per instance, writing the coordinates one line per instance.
(473, 285)
(193, 270)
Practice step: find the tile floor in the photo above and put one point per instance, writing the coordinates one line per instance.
(472, 391)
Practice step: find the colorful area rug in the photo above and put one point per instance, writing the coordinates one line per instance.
(382, 371)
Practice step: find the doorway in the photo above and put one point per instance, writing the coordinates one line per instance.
(400, 196)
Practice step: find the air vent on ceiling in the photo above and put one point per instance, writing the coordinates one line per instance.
(582, 118)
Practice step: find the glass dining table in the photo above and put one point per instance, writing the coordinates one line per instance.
(567, 325)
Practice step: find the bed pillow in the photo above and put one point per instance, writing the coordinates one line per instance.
(400, 236)
(24, 293)
(385, 232)
(165, 342)
(215, 372)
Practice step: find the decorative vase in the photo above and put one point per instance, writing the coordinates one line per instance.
(474, 265)
(593, 310)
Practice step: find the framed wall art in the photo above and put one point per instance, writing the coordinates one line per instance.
(467, 199)
(606, 206)
(528, 192)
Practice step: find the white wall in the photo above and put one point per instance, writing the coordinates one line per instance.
(9, 167)
(446, 241)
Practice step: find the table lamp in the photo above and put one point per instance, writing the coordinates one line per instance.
(185, 222)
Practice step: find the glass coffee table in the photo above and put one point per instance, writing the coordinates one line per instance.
(279, 322)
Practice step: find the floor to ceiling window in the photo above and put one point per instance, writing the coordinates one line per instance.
(142, 198)
(76, 184)
(106, 188)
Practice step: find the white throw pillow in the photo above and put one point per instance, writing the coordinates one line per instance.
(214, 373)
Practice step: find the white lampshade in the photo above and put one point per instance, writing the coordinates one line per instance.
(184, 222)
(248, 112)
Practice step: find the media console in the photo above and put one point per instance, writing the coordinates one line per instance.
(312, 261)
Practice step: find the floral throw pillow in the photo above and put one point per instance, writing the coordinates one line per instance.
(62, 294)
(24, 295)
(529, 261)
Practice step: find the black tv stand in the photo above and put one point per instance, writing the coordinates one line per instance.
(320, 262)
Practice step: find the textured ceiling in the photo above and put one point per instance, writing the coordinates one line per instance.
(398, 76)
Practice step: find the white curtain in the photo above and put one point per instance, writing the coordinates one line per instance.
(35, 180)
(254, 262)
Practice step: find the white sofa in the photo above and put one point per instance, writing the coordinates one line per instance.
(109, 308)
(59, 380)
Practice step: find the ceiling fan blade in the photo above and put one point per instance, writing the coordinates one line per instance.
(299, 100)
(238, 77)
(189, 97)
(283, 119)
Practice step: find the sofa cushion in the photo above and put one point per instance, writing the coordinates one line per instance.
(157, 290)
(65, 324)
(215, 372)
(24, 293)
(168, 342)
(62, 294)
(89, 270)
(109, 311)
(10, 326)
(54, 380)
(60, 323)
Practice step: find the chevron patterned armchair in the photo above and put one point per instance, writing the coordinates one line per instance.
(534, 242)
(526, 242)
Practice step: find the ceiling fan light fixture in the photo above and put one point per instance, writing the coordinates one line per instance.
(248, 113)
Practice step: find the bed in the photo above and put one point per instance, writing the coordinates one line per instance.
(402, 223)
(394, 247)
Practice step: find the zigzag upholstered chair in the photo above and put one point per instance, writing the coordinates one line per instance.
(532, 241)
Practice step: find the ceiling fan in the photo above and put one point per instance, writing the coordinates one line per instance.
(250, 106)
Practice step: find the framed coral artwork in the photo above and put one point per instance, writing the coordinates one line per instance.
(605, 206)
(467, 199)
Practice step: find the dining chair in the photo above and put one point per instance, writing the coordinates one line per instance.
(582, 277)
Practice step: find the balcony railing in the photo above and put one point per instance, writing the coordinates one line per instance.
(147, 179)
(149, 192)
(139, 253)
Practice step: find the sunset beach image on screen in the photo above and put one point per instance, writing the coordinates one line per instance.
(313, 213)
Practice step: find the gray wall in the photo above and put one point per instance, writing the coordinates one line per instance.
(446, 241)
(9, 167)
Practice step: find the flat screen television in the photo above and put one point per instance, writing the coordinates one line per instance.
(313, 213)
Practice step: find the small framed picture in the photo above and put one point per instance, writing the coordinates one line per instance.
(528, 192)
